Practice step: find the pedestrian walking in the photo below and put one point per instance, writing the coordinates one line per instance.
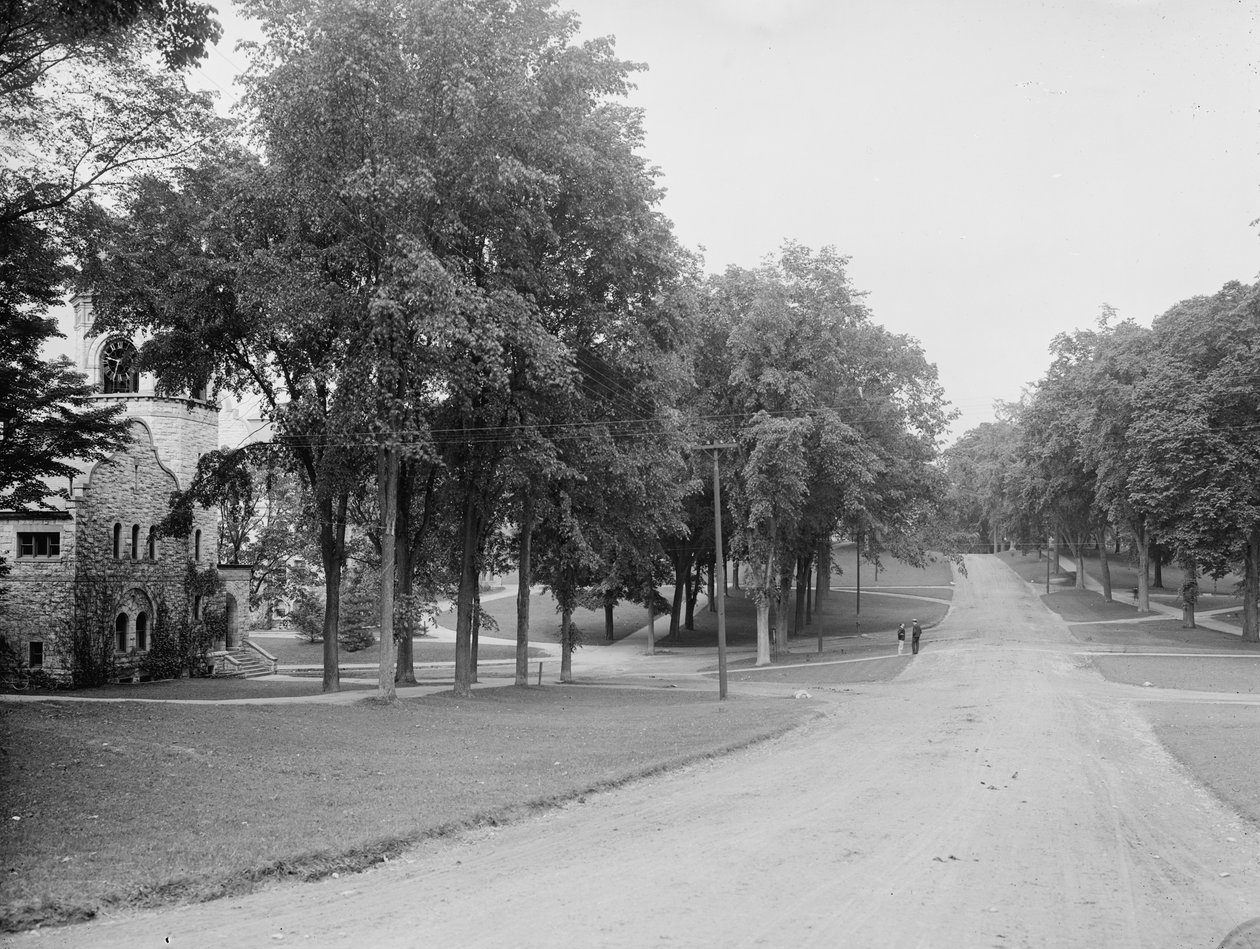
(901, 638)
(916, 632)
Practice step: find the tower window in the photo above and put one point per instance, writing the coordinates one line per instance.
(153, 543)
(120, 632)
(117, 541)
(197, 545)
(142, 631)
(135, 541)
(118, 367)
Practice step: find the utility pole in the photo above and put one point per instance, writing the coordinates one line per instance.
(719, 589)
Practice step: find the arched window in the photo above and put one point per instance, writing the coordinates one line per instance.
(135, 541)
(142, 631)
(120, 631)
(117, 541)
(153, 543)
(118, 367)
(196, 545)
(197, 606)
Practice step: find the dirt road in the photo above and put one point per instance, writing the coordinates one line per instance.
(997, 794)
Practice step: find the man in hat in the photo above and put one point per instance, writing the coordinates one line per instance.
(915, 632)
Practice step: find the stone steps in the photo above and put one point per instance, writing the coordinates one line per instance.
(248, 665)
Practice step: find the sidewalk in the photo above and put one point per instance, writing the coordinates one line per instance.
(1162, 610)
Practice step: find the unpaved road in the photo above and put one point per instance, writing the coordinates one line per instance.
(998, 793)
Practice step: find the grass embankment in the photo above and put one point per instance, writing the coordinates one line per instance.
(129, 804)
(900, 594)
(544, 619)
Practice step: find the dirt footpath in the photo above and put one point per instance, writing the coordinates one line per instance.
(997, 794)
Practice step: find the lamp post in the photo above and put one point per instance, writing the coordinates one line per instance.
(1049, 544)
(719, 585)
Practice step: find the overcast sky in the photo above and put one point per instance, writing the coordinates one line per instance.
(996, 169)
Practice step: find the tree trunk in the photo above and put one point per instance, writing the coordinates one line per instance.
(1144, 567)
(681, 566)
(332, 541)
(476, 628)
(464, 599)
(1104, 564)
(566, 645)
(1251, 589)
(822, 585)
(404, 661)
(524, 579)
(763, 630)
(735, 574)
(802, 585)
(1077, 543)
(387, 497)
(689, 598)
(1157, 556)
(651, 626)
(1188, 599)
(785, 615)
(608, 620)
(808, 580)
(696, 583)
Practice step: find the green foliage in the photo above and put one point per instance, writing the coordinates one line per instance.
(306, 615)
(48, 419)
(180, 645)
(79, 108)
(85, 641)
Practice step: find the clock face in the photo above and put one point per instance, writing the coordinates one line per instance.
(117, 365)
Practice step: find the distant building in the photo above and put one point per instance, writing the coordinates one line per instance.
(96, 561)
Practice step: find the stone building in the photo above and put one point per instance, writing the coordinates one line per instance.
(94, 566)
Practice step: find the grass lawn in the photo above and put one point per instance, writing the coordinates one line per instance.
(805, 670)
(1239, 676)
(897, 597)
(1167, 633)
(131, 804)
(198, 690)
(544, 620)
(292, 651)
(1219, 744)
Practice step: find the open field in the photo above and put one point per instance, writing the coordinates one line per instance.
(114, 804)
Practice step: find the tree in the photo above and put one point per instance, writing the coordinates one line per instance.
(48, 418)
(241, 281)
(1196, 468)
(982, 466)
(79, 108)
(837, 420)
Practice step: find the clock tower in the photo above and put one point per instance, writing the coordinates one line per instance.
(184, 427)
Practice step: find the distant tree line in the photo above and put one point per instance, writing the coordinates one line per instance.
(1148, 434)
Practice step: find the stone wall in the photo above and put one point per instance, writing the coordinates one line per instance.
(37, 593)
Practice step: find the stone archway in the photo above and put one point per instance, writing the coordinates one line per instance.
(232, 624)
